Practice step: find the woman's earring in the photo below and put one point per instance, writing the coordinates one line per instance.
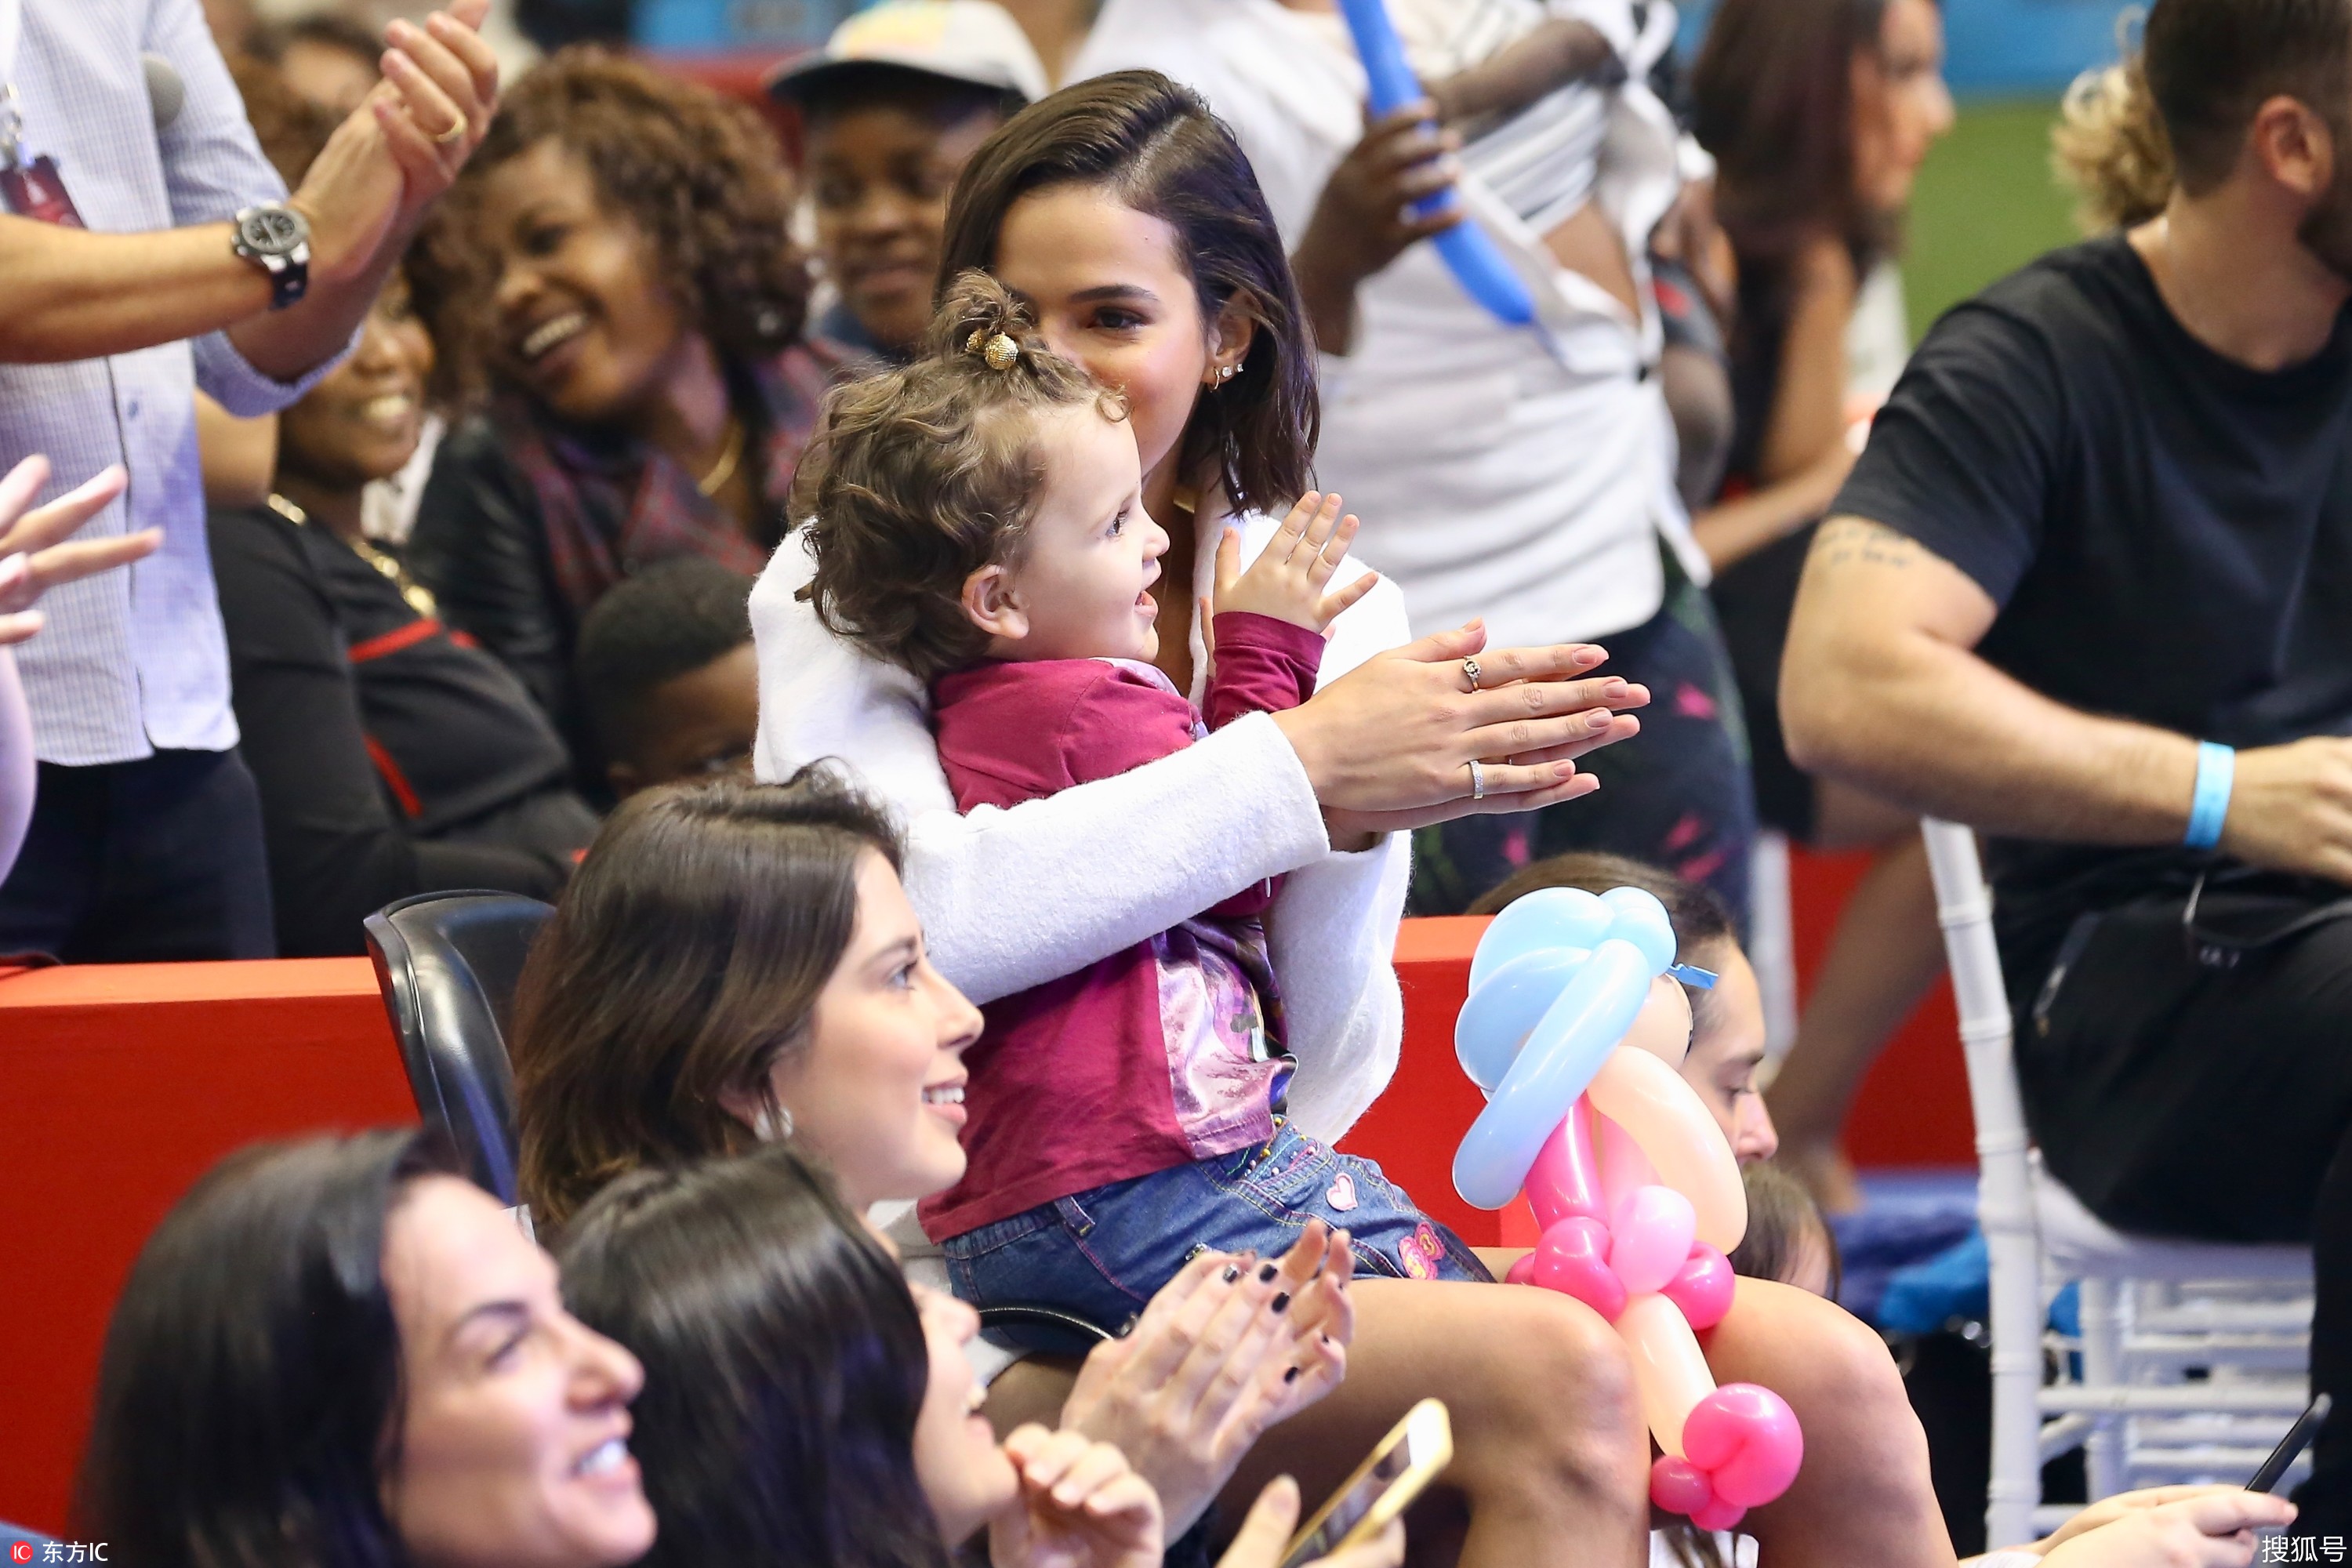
(1225, 373)
(774, 1125)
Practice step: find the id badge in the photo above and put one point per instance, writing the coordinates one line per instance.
(37, 191)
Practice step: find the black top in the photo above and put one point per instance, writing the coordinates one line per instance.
(2167, 531)
(392, 759)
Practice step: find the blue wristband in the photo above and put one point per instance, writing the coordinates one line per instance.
(2217, 769)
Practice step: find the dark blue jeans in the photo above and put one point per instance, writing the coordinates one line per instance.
(1104, 1253)
(160, 860)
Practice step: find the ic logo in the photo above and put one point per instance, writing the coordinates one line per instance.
(20, 1552)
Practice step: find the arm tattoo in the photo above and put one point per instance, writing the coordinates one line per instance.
(1858, 540)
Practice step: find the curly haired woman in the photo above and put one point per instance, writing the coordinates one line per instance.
(617, 272)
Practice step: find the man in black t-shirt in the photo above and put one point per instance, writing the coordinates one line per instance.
(2107, 516)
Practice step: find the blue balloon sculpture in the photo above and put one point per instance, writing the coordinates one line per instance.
(1468, 252)
(1557, 980)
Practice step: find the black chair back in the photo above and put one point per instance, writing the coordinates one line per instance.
(447, 964)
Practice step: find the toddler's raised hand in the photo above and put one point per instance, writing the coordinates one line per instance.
(1287, 580)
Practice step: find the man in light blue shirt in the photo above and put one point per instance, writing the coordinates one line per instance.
(198, 271)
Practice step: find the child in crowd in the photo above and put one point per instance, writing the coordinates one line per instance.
(666, 668)
(891, 110)
(980, 524)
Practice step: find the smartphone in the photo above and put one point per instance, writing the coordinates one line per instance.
(2306, 1427)
(1406, 1460)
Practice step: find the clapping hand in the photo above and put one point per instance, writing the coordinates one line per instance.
(1082, 1506)
(401, 149)
(1287, 580)
(1213, 1362)
(34, 556)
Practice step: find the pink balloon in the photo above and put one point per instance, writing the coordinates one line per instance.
(1523, 1272)
(1679, 1136)
(1573, 1260)
(1678, 1486)
(1746, 1439)
(1624, 1166)
(1651, 1234)
(1565, 1177)
(1703, 1287)
(1669, 1372)
(1718, 1515)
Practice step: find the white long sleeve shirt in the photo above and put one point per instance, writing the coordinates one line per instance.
(1012, 899)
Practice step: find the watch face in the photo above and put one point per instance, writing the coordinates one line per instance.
(273, 231)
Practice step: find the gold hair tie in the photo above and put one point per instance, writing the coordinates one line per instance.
(997, 352)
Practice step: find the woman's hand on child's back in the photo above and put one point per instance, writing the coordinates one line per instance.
(1226, 1349)
(1287, 580)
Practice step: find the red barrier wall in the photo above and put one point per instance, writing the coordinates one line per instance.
(121, 1085)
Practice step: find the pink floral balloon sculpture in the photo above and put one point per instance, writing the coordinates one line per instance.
(1575, 1033)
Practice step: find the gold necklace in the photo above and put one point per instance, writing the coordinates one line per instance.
(417, 597)
(711, 483)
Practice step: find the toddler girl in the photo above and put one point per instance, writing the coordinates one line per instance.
(979, 520)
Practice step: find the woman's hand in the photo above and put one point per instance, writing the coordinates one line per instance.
(2107, 1511)
(1365, 217)
(1388, 745)
(33, 558)
(2210, 1527)
(1226, 1349)
(1082, 1506)
(1275, 1514)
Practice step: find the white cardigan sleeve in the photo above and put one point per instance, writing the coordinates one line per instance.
(1013, 899)
(1332, 934)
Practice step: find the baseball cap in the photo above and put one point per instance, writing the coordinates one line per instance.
(973, 41)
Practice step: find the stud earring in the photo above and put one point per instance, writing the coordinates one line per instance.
(774, 1125)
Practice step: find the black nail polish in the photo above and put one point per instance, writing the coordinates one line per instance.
(1266, 1272)
(1281, 1302)
(1290, 1376)
(1326, 1339)
(1232, 1272)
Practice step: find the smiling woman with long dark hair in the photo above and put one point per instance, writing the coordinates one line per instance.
(616, 273)
(333, 1353)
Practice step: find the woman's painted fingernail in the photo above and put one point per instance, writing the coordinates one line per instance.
(1232, 1272)
(1598, 722)
(1266, 1272)
(1281, 1302)
(1290, 1376)
(1614, 688)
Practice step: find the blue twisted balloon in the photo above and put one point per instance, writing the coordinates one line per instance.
(1469, 254)
(1556, 983)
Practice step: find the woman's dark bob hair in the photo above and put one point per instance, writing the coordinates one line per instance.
(685, 958)
(1156, 147)
(248, 1399)
(784, 1364)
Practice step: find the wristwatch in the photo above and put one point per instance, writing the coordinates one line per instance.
(276, 238)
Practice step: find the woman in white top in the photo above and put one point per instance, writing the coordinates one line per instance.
(1522, 474)
(1122, 213)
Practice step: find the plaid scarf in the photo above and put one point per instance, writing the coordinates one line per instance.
(613, 505)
